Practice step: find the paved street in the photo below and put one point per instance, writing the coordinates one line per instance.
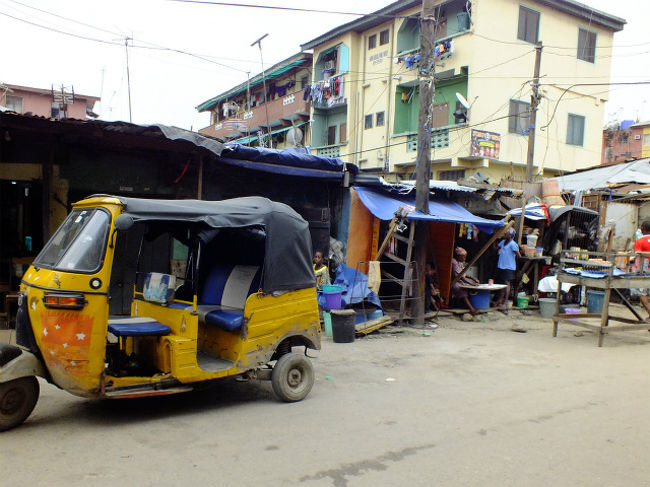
(465, 404)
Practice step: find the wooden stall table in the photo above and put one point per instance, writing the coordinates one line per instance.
(612, 279)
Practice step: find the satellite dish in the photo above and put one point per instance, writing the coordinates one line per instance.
(463, 101)
(294, 136)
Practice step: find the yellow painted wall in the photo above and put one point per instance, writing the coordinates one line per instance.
(645, 149)
(499, 67)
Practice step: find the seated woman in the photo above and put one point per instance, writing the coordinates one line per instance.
(457, 291)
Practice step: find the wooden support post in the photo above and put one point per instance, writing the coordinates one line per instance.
(392, 226)
(199, 190)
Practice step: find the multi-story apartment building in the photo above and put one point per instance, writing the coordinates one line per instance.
(485, 53)
(53, 103)
(246, 112)
(626, 141)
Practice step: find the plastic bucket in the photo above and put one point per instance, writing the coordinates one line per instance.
(531, 240)
(547, 307)
(522, 301)
(332, 296)
(343, 325)
(480, 299)
(327, 323)
(595, 301)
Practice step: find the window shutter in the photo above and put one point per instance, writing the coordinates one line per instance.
(512, 119)
(521, 29)
(532, 22)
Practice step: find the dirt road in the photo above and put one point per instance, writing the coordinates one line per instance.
(465, 404)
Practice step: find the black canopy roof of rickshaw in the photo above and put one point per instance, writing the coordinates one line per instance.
(288, 259)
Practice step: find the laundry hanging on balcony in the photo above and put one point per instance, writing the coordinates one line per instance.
(441, 50)
(329, 92)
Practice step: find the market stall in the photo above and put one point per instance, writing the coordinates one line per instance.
(597, 270)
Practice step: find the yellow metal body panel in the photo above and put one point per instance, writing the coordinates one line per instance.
(72, 342)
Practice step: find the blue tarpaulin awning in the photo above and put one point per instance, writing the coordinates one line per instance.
(384, 206)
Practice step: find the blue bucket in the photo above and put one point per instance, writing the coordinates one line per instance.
(480, 299)
(595, 300)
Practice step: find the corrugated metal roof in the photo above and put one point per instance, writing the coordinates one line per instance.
(604, 177)
(273, 72)
(442, 186)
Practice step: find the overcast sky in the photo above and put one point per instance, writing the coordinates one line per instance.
(166, 85)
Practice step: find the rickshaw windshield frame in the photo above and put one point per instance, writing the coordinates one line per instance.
(79, 244)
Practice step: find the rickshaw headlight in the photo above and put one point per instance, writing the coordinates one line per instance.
(64, 301)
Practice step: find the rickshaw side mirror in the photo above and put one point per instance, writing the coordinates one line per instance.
(123, 222)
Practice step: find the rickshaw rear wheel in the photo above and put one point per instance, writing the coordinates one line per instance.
(17, 400)
(292, 377)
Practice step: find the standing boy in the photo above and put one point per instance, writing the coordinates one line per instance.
(507, 265)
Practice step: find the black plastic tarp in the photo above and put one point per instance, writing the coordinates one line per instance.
(288, 259)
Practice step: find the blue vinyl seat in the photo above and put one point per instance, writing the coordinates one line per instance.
(223, 297)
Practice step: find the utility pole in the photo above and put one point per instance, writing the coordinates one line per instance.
(266, 102)
(128, 76)
(423, 165)
(534, 101)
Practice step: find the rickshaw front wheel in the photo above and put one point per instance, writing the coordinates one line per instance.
(17, 400)
(292, 377)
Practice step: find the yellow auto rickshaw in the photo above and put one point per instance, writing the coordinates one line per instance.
(134, 297)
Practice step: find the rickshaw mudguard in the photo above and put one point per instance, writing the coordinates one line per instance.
(291, 316)
(72, 343)
(17, 362)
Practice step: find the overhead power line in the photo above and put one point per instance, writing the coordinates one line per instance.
(115, 43)
(120, 34)
(294, 9)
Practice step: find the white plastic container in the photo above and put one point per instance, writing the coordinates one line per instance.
(531, 240)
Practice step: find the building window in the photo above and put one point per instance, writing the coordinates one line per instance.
(343, 132)
(518, 117)
(14, 103)
(646, 139)
(304, 81)
(368, 123)
(379, 122)
(383, 37)
(454, 175)
(331, 135)
(372, 41)
(586, 45)
(57, 112)
(528, 25)
(576, 130)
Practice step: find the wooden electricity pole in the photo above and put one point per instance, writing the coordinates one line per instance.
(534, 101)
(423, 164)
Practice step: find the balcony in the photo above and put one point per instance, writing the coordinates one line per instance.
(281, 112)
(329, 150)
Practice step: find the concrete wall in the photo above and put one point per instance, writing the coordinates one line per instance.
(499, 67)
(41, 104)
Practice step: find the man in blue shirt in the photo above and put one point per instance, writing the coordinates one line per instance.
(507, 264)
